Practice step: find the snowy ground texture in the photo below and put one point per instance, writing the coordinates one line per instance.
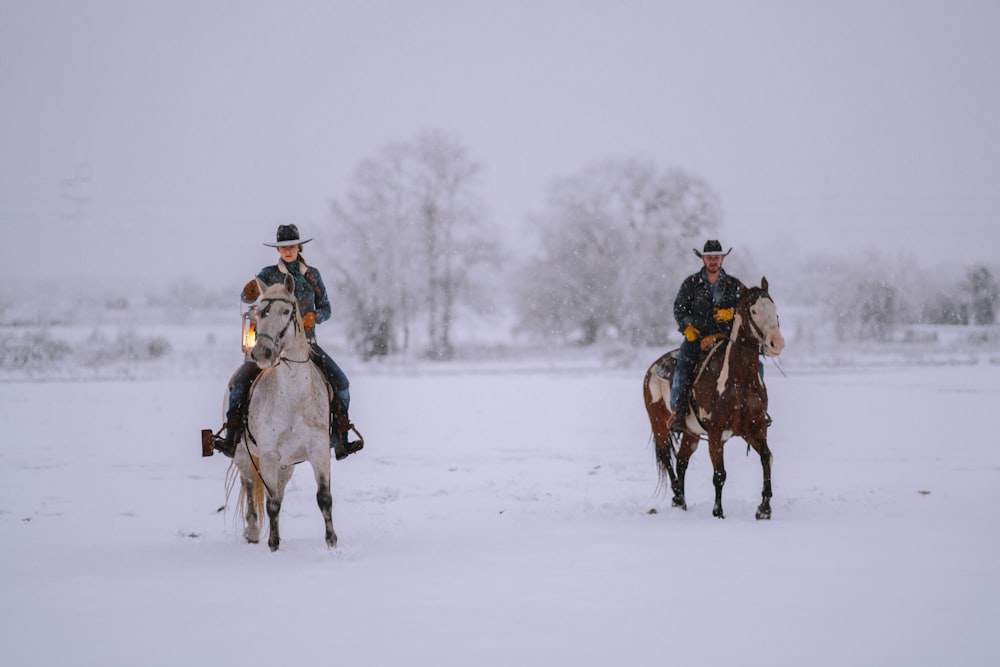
(501, 515)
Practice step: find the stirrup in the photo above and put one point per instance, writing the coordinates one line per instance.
(343, 447)
(212, 442)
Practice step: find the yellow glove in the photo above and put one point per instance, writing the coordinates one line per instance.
(723, 314)
(250, 292)
(309, 321)
(691, 333)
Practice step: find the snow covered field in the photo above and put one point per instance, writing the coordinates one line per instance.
(501, 515)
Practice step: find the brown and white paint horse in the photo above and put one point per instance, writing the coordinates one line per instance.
(727, 398)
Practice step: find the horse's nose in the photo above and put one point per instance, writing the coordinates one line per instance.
(262, 355)
(775, 344)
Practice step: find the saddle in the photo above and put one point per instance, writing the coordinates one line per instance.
(238, 424)
(665, 368)
(668, 362)
(340, 423)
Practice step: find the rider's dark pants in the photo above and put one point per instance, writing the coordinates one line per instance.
(338, 380)
(686, 358)
(244, 376)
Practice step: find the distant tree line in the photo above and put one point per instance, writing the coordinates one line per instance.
(615, 244)
(872, 297)
(414, 252)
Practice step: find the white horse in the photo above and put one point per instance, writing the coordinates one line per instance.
(289, 417)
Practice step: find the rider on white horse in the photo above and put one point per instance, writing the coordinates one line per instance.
(314, 306)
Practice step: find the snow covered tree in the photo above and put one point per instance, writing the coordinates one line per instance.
(984, 295)
(454, 239)
(410, 239)
(615, 243)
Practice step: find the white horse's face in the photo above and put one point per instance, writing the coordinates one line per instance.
(277, 323)
(764, 315)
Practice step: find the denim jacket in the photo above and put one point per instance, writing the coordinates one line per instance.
(309, 287)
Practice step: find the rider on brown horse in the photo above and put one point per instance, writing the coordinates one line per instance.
(704, 307)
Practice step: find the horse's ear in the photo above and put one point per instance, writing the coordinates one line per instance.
(289, 284)
(763, 283)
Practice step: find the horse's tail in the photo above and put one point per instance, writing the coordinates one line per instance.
(656, 396)
(259, 494)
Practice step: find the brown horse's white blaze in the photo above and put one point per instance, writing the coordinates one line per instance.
(728, 398)
(763, 326)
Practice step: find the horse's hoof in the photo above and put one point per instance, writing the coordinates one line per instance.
(764, 514)
(679, 502)
(718, 514)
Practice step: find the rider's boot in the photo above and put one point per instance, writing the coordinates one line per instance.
(679, 415)
(339, 441)
(676, 419)
(225, 443)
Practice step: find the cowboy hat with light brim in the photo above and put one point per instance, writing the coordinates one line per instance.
(712, 249)
(287, 235)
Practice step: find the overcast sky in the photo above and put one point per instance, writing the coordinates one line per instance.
(184, 132)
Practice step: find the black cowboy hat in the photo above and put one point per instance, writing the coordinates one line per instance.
(712, 249)
(287, 235)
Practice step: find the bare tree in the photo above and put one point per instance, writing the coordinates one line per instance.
(411, 237)
(984, 295)
(454, 238)
(614, 244)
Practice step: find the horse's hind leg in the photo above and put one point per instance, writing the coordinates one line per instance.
(689, 443)
(251, 530)
(664, 461)
(663, 444)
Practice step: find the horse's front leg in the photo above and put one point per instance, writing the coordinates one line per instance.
(715, 451)
(325, 501)
(764, 509)
(276, 493)
(273, 509)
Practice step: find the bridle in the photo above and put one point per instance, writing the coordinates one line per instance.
(292, 319)
(757, 332)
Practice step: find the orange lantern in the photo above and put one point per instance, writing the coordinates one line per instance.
(249, 330)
